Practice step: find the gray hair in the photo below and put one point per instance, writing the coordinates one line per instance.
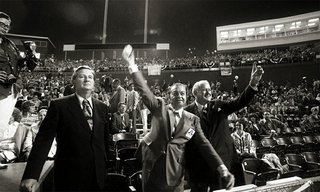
(197, 85)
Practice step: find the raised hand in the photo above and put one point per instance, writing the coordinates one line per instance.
(256, 75)
(128, 54)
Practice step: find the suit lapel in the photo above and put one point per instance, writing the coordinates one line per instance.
(180, 125)
(172, 119)
(196, 110)
(184, 125)
(96, 117)
(76, 111)
(213, 114)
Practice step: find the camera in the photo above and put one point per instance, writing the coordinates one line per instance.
(28, 46)
(11, 79)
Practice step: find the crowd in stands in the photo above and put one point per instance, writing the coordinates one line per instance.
(271, 108)
(274, 109)
(209, 60)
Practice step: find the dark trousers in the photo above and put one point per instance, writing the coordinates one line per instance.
(133, 116)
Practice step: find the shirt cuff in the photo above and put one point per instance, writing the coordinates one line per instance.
(254, 87)
(223, 170)
(133, 68)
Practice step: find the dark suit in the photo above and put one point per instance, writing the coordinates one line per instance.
(163, 154)
(215, 126)
(118, 96)
(117, 124)
(80, 161)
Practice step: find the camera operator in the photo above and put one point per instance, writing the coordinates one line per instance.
(11, 63)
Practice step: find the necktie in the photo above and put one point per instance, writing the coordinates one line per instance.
(177, 118)
(123, 122)
(87, 111)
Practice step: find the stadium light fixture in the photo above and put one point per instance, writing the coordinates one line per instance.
(250, 31)
(224, 34)
(314, 20)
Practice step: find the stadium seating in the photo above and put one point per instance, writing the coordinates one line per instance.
(257, 172)
(298, 161)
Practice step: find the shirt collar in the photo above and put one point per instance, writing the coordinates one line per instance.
(199, 105)
(179, 110)
(15, 124)
(81, 100)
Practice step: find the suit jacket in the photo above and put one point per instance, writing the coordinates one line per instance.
(11, 62)
(215, 126)
(80, 161)
(159, 147)
(117, 122)
(119, 96)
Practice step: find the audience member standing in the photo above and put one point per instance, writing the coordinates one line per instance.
(11, 64)
(118, 95)
(79, 124)
(132, 104)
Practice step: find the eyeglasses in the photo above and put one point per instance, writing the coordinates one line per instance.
(4, 25)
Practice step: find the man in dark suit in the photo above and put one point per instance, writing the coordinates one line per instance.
(120, 120)
(162, 149)
(214, 123)
(79, 124)
(118, 95)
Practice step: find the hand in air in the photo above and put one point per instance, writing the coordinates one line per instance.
(256, 75)
(128, 54)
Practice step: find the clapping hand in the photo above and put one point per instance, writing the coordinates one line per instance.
(128, 54)
(256, 75)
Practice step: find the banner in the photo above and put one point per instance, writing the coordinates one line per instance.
(154, 70)
(226, 71)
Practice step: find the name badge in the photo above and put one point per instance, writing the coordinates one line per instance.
(190, 133)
